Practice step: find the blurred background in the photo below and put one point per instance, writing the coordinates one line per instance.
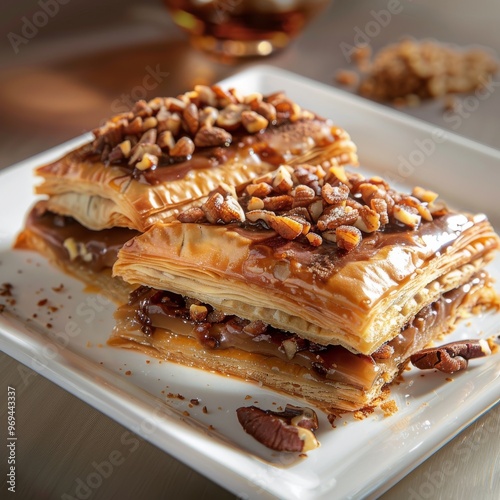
(88, 59)
(63, 73)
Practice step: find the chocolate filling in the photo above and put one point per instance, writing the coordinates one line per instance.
(149, 309)
(97, 249)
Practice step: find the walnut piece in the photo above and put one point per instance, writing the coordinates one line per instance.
(288, 431)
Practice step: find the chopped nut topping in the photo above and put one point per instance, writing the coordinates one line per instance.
(198, 312)
(206, 116)
(333, 206)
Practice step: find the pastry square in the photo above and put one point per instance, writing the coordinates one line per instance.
(317, 282)
(161, 157)
(148, 164)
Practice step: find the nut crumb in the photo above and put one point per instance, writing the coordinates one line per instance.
(6, 290)
(406, 72)
(204, 409)
(347, 77)
(128, 372)
(389, 408)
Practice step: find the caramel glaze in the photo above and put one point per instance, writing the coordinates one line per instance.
(149, 309)
(319, 263)
(55, 229)
(270, 145)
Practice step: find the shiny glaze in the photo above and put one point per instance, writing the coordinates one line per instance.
(273, 145)
(307, 273)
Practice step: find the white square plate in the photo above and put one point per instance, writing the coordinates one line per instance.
(355, 459)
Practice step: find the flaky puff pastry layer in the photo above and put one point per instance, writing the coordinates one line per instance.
(355, 381)
(101, 196)
(359, 299)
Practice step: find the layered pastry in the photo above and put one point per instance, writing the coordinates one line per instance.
(78, 251)
(313, 281)
(164, 155)
(146, 165)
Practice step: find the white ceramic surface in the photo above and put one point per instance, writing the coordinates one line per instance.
(357, 458)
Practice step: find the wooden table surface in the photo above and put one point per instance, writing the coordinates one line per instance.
(88, 61)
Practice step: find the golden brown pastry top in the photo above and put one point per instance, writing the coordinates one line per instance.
(167, 131)
(307, 271)
(143, 166)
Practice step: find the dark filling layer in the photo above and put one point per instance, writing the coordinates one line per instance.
(96, 249)
(149, 309)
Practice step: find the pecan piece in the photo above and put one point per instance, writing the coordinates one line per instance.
(278, 203)
(193, 214)
(368, 221)
(348, 237)
(293, 345)
(230, 117)
(259, 189)
(222, 209)
(255, 203)
(147, 161)
(314, 239)
(212, 136)
(290, 430)
(134, 127)
(208, 116)
(265, 109)
(282, 180)
(183, 147)
(191, 118)
(303, 196)
(253, 122)
(286, 227)
(452, 357)
(166, 140)
(120, 151)
(198, 312)
(380, 206)
(206, 95)
(334, 195)
(334, 216)
(424, 195)
(409, 216)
